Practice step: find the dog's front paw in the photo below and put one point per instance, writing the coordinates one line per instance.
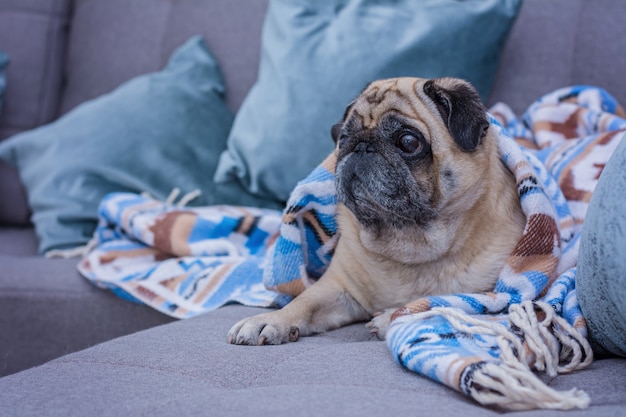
(264, 329)
(380, 322)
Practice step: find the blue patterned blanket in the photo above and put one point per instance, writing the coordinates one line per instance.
(186, 261)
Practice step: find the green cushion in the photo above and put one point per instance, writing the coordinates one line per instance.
(317, 56)
(154, 133)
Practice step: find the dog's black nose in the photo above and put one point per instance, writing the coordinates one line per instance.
(364, 147)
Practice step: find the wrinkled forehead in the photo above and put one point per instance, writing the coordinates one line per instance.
(398, 97)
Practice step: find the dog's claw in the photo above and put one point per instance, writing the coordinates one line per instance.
(294, 333)
(374, 330)
(379, 323)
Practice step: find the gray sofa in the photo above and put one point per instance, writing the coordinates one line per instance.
(68, 348)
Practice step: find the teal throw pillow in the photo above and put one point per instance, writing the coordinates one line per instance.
(316, 56)
(600, 278)
(4, 60)
(153, 133)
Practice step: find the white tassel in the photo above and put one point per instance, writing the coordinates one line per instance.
(514, 389)
(184, 200)
(552, 343)
(172, 197)
(544, 339)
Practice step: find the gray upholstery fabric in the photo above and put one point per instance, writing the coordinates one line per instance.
(188, 369)
(599, 57)
(33, 33)
(17, 241)
(147, 31)
(13, 203)
(47, 309)
(556, 43)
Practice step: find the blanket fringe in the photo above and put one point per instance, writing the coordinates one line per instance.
(171, 198)
(514, 389)
(550, 344)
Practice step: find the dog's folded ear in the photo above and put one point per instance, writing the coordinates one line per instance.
(460, 107)
(335, 131)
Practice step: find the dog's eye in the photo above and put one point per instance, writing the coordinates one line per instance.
(408, 143)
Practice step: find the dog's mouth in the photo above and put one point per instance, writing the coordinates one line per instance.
(380, 193)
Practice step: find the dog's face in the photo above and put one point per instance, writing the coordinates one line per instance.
(410, 151)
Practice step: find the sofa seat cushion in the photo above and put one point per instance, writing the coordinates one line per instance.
(47, 309)
(186, 368)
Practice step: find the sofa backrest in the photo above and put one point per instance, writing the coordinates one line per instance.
(112, 41)
(556, 43)
(64, 52)
(34, 35)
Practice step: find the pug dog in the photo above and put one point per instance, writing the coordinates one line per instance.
(425, 207)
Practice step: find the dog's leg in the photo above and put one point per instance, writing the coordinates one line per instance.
(323, 306)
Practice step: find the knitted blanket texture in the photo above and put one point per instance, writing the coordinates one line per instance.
(186, 261)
